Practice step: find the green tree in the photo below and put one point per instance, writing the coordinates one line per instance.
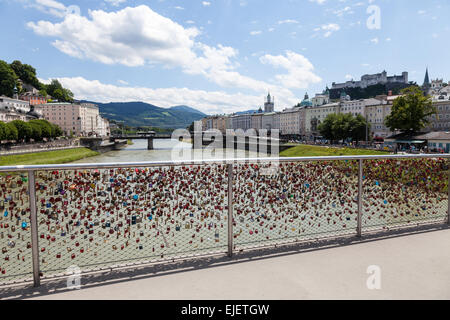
(56, 90)
(410, 112)
(11, 132)
(359, 126)
(8, 79)
(46, 128)
(36, 134)
(343, 126)
(56, 130)
(326, 127)
(3, 129)
(24, 130)
(26, 73)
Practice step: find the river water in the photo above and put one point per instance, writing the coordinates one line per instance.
(166, 150)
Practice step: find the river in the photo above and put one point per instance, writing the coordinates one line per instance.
(165, 150)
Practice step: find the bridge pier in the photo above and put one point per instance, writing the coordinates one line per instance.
(150, 144)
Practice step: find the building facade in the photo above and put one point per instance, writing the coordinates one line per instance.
(291, 121)
(315, 116)
(257, 121)
(33, 98)
(242, 121)
(79, 119)
(441, 120)
(270, 121)
(14, 109)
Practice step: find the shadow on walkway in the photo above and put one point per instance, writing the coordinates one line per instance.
(108, 277)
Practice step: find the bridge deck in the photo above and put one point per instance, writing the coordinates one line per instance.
(413, 266)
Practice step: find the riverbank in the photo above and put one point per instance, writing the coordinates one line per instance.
(318, 151)
(49, 157)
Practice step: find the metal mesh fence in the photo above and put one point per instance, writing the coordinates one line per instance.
(294, 201)
(404, 192)
(106, 218)
(15, 234)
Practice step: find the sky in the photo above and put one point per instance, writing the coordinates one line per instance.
(222, 56)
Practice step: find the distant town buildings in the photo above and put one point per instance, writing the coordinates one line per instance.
(302, 121)
(14, 109)
(79, 119)
(33, 98)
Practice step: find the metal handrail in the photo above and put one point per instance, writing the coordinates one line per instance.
(22, 168)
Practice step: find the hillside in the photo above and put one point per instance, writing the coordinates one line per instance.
(145, 114)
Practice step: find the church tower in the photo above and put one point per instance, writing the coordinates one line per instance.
(269, 105)
(426, 83)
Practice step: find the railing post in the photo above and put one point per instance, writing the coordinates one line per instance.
(34, 227)
(360, 194)
(230, 209)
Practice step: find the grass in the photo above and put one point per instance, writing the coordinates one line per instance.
(129, 142)
(318, 151)
(48, 157)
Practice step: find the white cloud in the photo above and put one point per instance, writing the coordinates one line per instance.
(132, 36)
(206, 3)
(341, 12)
(139, 36)
(374, 40)
(115, 3)
(288, 21)
(300, 70)
(349, 77)
(328, 28)
(52, 7)
(254, 33)
(318, 1)
(210, 102)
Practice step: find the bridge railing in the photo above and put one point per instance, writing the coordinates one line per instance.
(105, 216)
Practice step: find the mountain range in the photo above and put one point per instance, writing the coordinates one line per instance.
(144, 114)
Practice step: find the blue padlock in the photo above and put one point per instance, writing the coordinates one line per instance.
(6, 213)
(24, 225)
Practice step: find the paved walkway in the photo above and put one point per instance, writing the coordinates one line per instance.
(413, 266)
